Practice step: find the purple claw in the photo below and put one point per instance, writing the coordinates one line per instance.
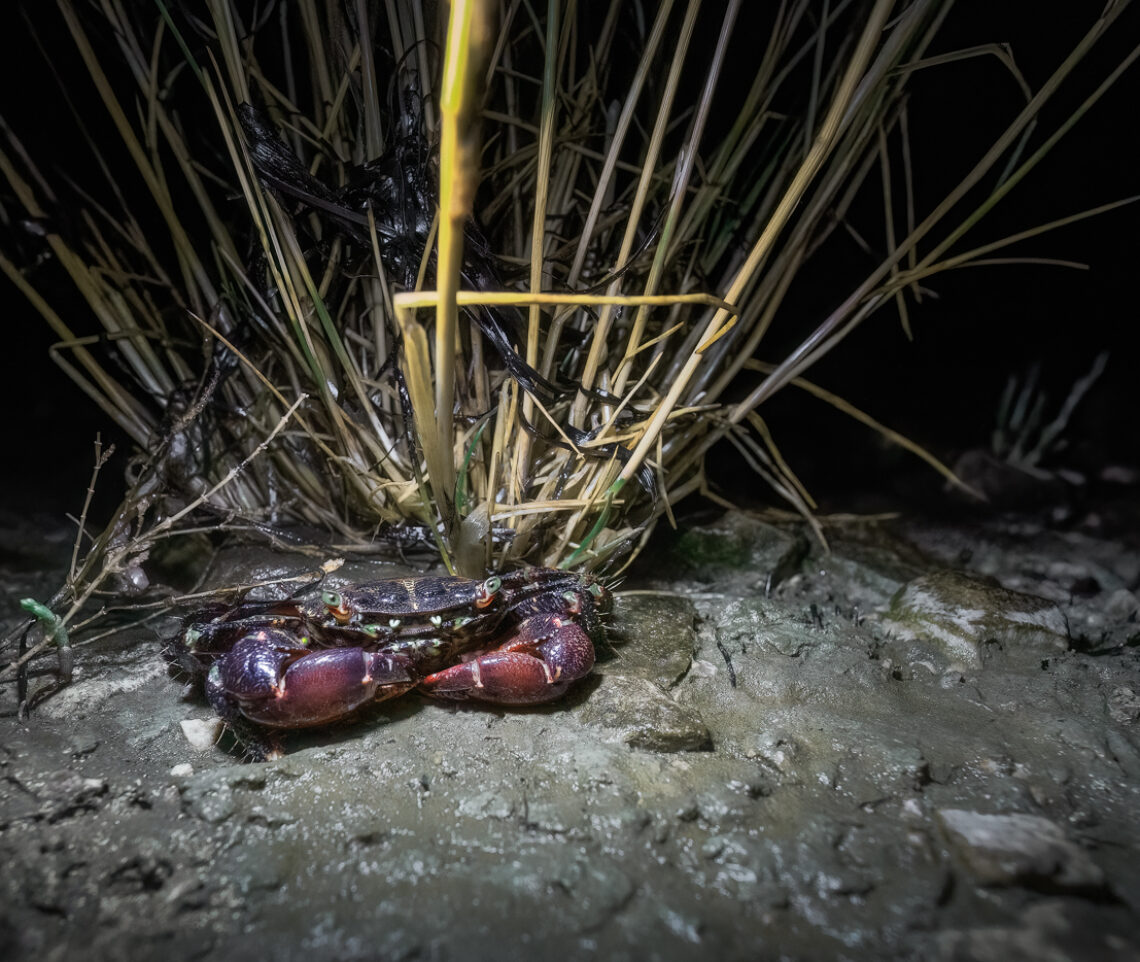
(270, 680)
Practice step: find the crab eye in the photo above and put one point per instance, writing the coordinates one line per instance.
(573, 602)
(596, 590)
(190, 638)
(486, 592)
(335, 603)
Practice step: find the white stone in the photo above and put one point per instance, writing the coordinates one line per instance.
(201, 734)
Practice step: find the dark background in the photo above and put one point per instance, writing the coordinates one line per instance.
(942, 389)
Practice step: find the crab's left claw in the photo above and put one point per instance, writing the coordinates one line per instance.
(548, 653)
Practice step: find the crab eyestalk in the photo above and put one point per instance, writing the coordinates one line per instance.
(337, 606)
(487, 591)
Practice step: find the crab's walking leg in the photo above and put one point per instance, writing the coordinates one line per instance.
(546, 655)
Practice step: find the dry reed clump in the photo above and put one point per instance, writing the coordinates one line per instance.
(300, 321)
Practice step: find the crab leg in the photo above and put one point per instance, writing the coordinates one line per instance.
(546, 655)
(269, 679)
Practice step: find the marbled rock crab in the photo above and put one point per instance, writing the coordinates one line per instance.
(517, 639)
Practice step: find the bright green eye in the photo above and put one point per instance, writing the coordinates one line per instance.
(487, 591)
(337, 606)
(596, 590)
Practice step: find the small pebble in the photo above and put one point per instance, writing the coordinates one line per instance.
(182, 770)
(202, 735)
(713, 847)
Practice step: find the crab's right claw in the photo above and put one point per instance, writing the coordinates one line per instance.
(269, 678)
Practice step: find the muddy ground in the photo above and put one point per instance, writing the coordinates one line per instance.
(924, 745)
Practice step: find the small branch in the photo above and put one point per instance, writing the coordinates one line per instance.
(100, 460)
(113, 560)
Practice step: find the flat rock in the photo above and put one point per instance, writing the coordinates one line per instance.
(964, 621)
(731, 550)
(764, 626)
(661, 635)
(645, 716)
(1019, 850)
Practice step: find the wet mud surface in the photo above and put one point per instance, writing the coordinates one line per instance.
(923, 745)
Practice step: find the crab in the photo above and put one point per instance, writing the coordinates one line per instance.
(520, 638)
